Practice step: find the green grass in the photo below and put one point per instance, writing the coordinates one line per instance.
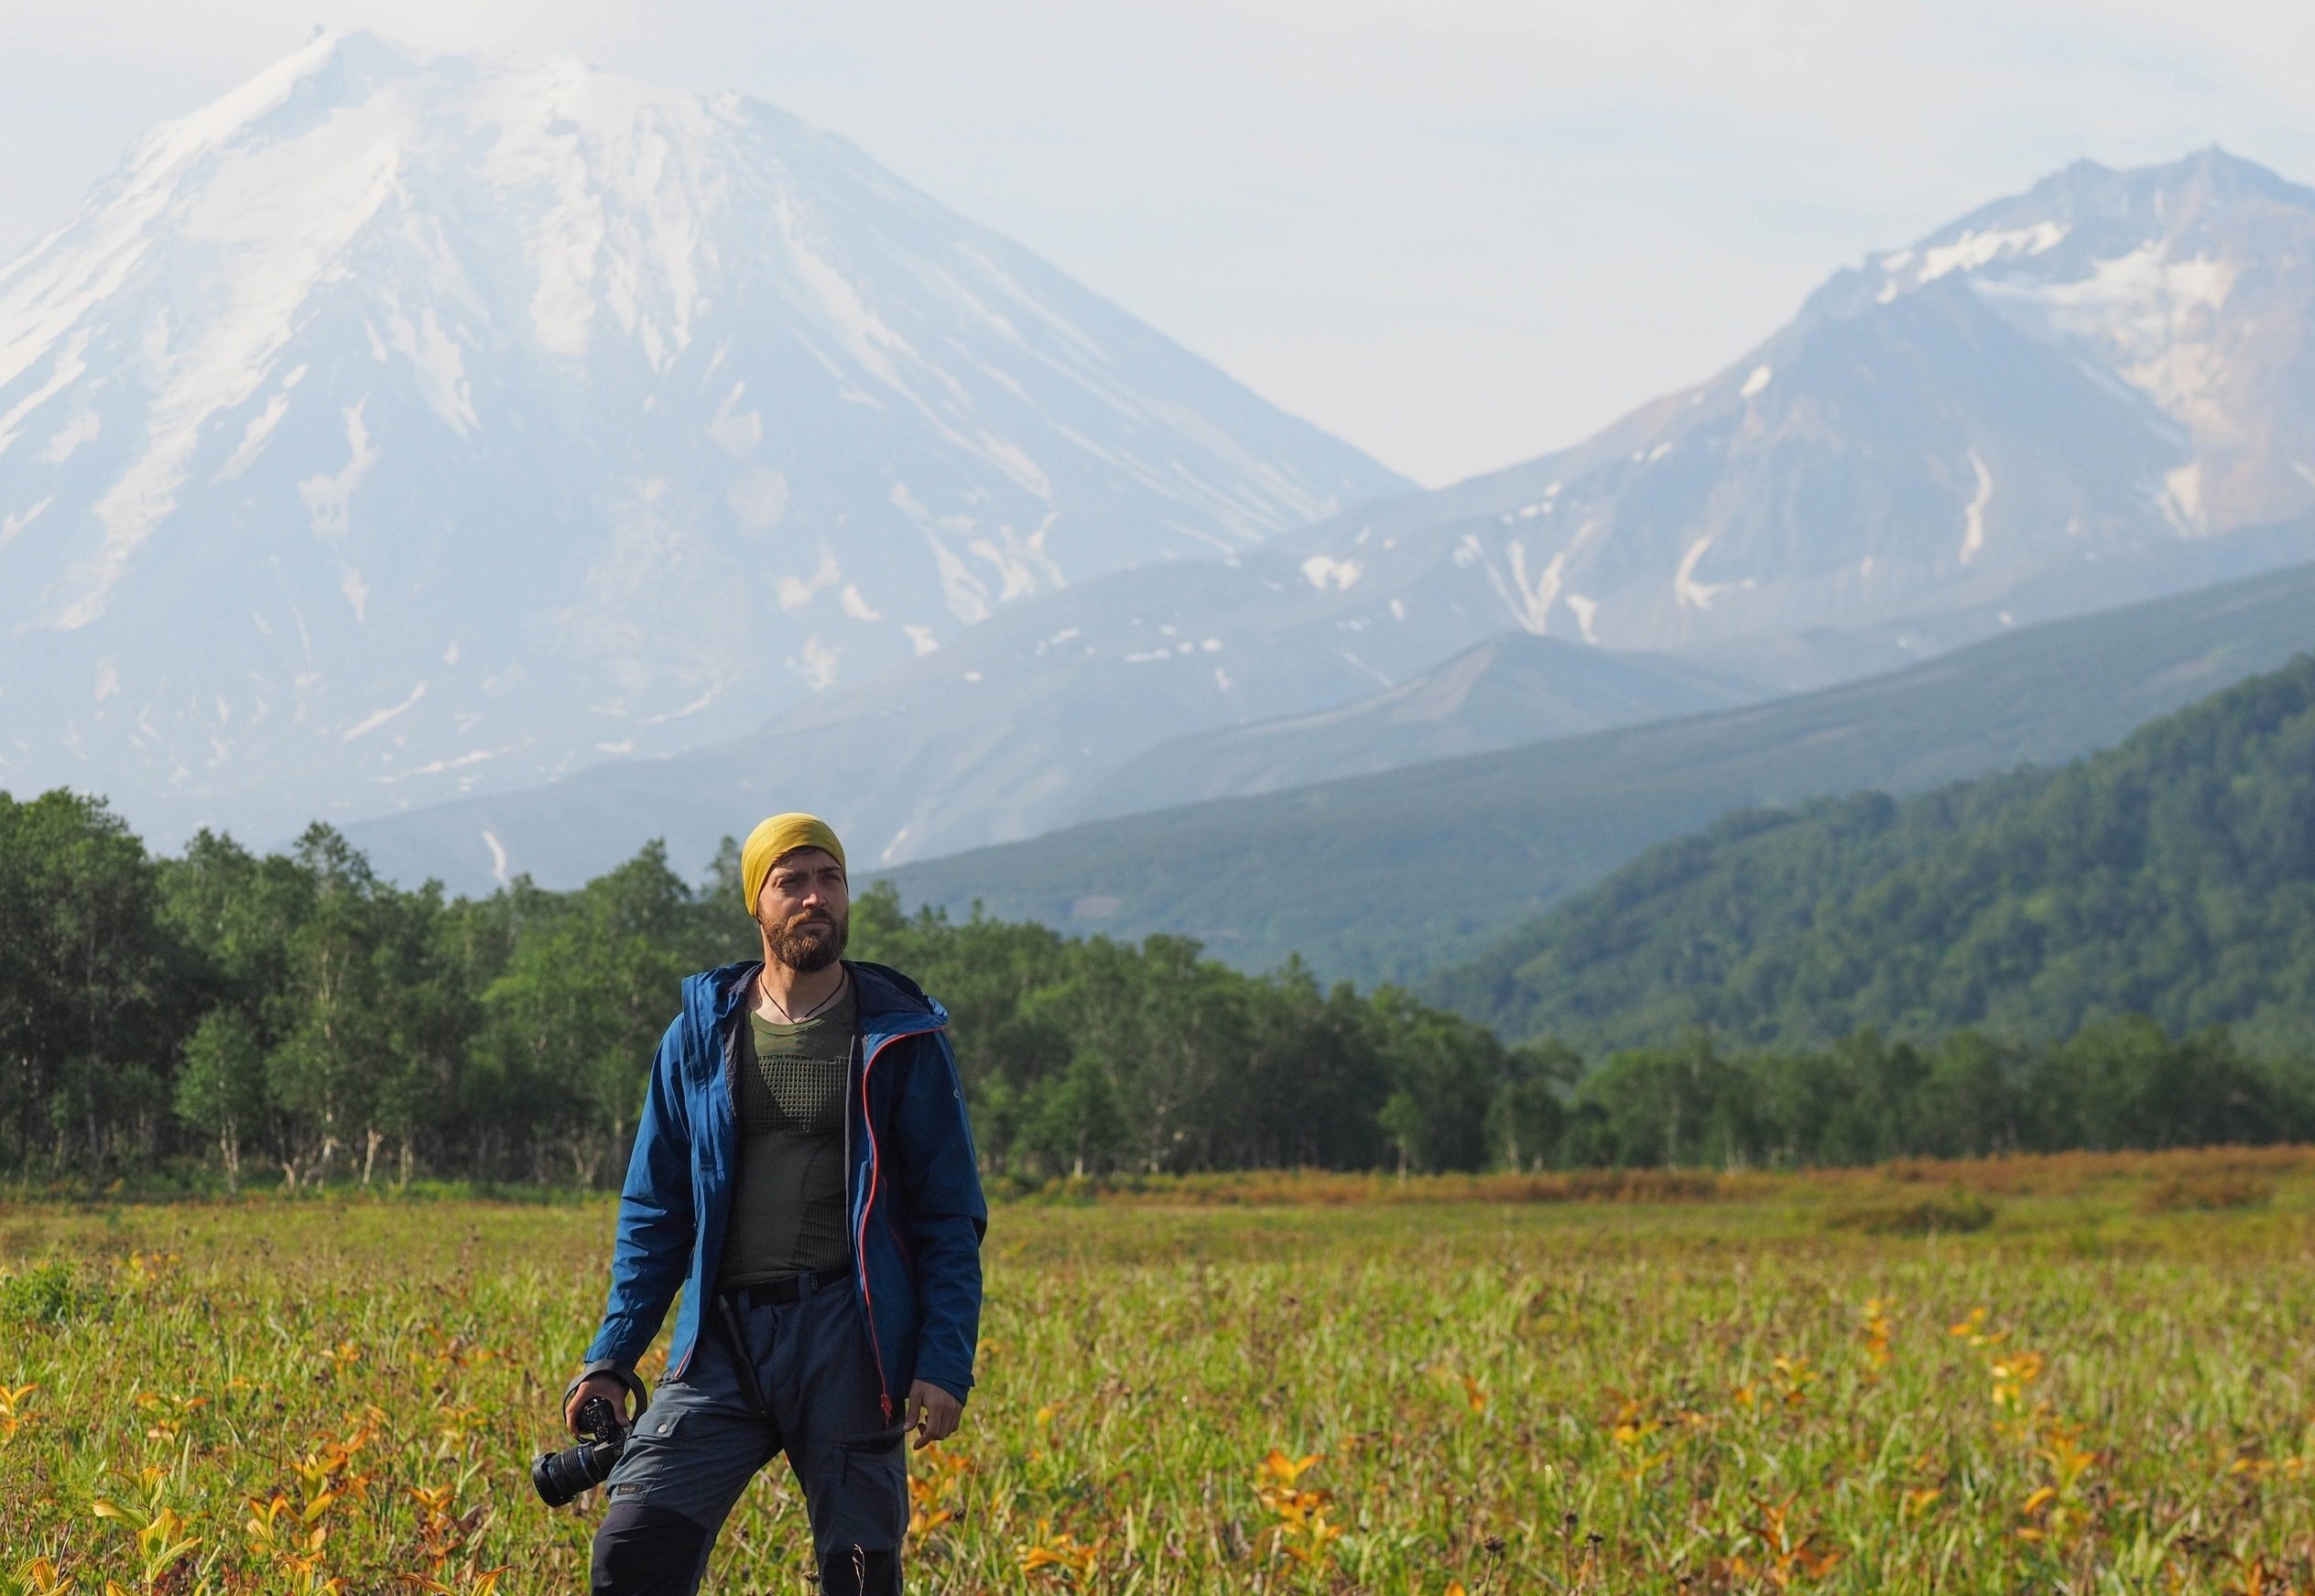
(1724, 1394)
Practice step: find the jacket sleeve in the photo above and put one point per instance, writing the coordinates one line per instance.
(656, 1221)
(946, 1216)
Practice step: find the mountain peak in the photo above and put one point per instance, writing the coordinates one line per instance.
(1926, 425)
(2081, 213)
(403, 423)
(2211, 175)
(330, 70)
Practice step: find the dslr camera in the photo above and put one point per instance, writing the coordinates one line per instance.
(562, 1476)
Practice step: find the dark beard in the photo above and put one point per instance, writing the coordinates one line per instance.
(808, 943)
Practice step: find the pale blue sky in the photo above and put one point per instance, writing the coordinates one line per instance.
(1459, 232)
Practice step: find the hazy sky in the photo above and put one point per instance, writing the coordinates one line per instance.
(1459, 232)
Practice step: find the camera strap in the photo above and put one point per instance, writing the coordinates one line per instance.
(627, 1378)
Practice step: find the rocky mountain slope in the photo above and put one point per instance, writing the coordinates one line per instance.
(401, 426)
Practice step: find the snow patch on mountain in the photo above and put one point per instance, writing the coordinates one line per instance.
(1694, 594)
(82, 428)
(328, 499)
(372, 721)
(1974, 249)
(1974, 515)
(2147, 313)
(2182, 499)
(12, 524)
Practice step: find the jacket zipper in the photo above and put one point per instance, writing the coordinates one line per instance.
(859, 1233)
(728, 1072)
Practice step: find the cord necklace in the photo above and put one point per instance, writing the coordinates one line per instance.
(816, 1008)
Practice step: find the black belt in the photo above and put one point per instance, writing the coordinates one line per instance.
(787, 1288)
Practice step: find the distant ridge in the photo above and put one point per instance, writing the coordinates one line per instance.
(998, 735)
(1515, 688)
(1399, 874)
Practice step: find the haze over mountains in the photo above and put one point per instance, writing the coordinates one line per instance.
(1510, 689)
(533, 460)
(1399, 874)
(1017, 730)
(2096, 391)
(404, 425)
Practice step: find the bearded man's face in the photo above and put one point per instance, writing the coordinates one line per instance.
(805, 910)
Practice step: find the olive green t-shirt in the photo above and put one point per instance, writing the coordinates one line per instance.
(788, 1203)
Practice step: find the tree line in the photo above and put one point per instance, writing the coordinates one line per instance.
(232, 1015)
(223, 1016)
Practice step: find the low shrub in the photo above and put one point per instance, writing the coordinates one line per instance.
(2206, 1193)
(1957, 1210)
(48, 1293)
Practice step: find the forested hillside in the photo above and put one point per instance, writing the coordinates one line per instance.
(2172, 876)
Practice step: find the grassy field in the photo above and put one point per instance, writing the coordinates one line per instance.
(2066, 1374)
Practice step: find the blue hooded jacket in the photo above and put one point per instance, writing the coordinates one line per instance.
(912, 1184)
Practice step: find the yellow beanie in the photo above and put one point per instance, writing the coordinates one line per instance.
(780, 835)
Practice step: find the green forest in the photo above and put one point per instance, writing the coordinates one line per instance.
(2172, 876)
(222, 1019)
(231, 1016)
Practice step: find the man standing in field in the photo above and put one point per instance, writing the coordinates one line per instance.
(804, 1171)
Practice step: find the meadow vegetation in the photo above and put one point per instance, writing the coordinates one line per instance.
(1604, 1382)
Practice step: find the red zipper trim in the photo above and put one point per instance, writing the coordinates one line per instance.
(860, 1233)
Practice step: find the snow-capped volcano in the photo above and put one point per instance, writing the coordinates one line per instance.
(403, 423)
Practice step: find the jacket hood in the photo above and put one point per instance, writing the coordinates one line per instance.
(890, 1003)
(709, 996)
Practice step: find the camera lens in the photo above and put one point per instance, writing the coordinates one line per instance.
(547, 1478)
(560, 1477)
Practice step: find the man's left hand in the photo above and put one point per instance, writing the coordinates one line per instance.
(932, 1413)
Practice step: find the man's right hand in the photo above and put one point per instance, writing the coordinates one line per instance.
(611, 1388)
